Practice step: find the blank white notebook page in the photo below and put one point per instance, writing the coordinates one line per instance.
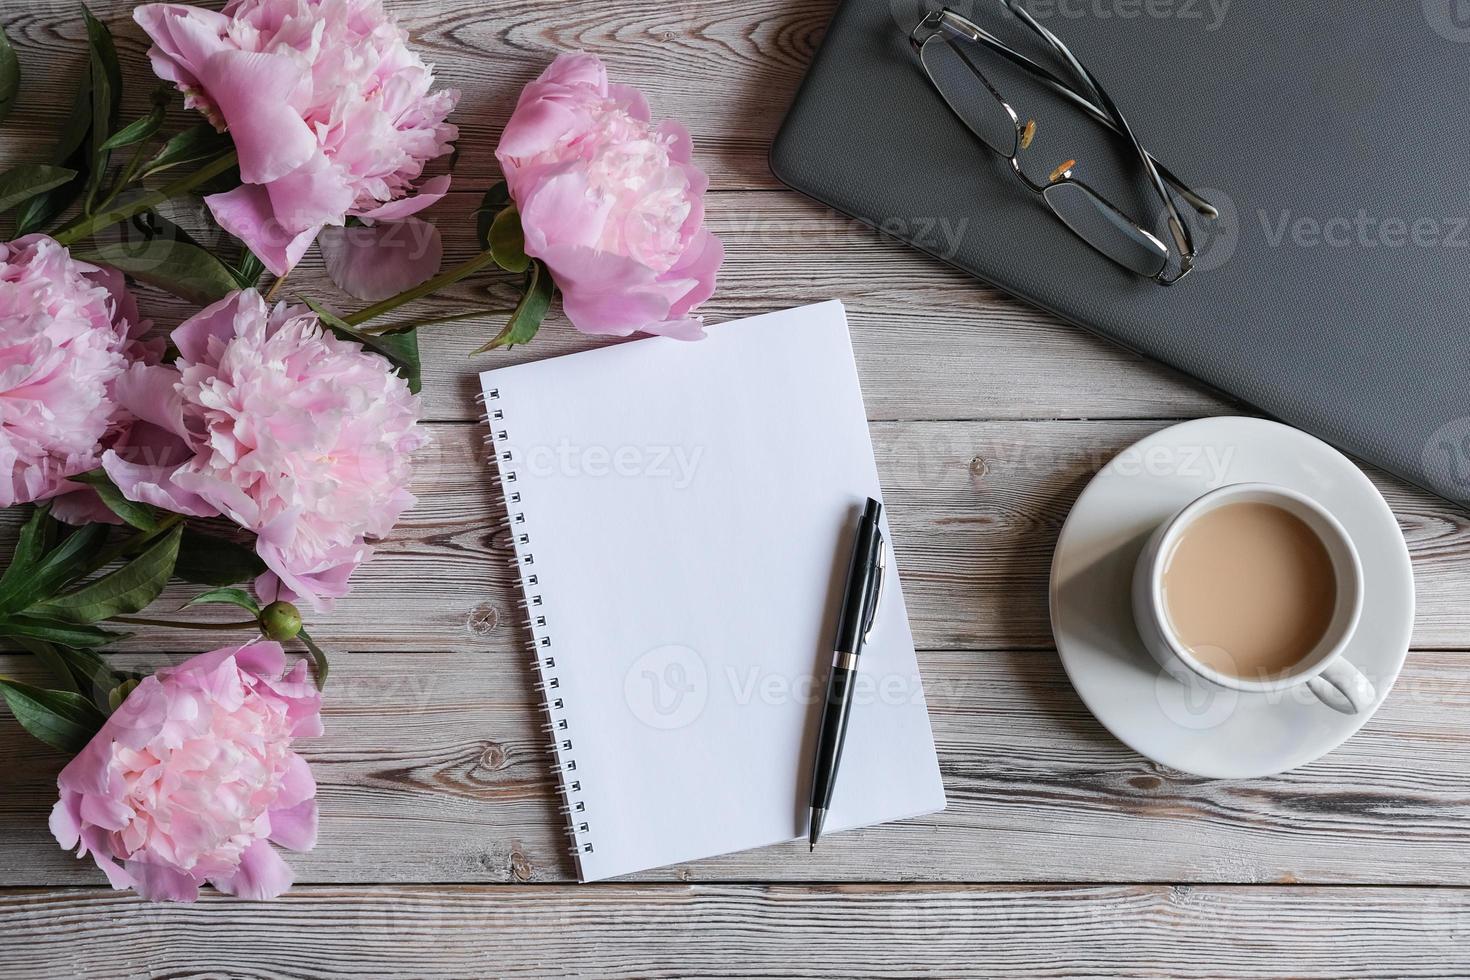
(682, 516)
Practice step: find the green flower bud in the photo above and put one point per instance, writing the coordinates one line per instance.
(280, 621)
(119, 694)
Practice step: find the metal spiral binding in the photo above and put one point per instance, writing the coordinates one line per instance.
(556, 727)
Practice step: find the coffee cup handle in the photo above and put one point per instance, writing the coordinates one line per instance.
(1344, 688)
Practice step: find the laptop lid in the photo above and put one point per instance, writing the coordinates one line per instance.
(1334, 137)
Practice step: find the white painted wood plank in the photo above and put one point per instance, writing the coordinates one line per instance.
(705, 931)
(932, 343)
(432, 769)
(726, 69)
(976, 508)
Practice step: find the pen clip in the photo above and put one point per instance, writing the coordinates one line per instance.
(877, 587)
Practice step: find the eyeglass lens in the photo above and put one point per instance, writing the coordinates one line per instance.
(968, 96)
(1105, 228)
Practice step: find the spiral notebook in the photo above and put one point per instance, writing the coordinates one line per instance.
(681, 515)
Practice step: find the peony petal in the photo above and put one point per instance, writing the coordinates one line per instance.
(681, 147)
(631, 101)
(117, 875)
(574, 68)
(297, 783)
(374, 263)
(159, 884)
(535, 127)
(317, 194)
(262, 874)
(246, 213)
(87, 772)
(686, 328)
(183, 39)
(253, 92)
(295, 828)
(261, 658)
(603, 293)
(700, 262)
(66, 820)
(99, 811)
(155, 485)
(82, 506)
(563, 211)
(431, 193)
(215, 323)
(151, 393)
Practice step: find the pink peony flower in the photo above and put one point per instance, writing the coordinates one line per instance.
(67, 331)
(610, 202)
(276, 423)
(194, 776)
(330, 111)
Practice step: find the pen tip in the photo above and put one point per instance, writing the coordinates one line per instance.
(810, 848)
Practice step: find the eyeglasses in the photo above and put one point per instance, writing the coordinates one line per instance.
(950, 48)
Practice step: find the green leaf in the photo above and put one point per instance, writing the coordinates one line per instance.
(20, 184)
(9, 76)
(508, 241)
(180, 267)
(124, 590)
(151, 225)
(318, 658)
(50, 655)
(59, 567)
(55, 631)
(208, 560)
(70, 152)
(249, 271)
(140, 516)
(229, 597)
(138, 130)
(62, 719)
(494, 202)
(78, 670)
(529, 312)
(401, 348)
(106, 102)
(194, 145)
(37, 536)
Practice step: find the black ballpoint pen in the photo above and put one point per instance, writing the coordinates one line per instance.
(860, 598)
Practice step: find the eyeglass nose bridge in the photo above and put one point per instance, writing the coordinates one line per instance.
(932, 24)
(1025, 178)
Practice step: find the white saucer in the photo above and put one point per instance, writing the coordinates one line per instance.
(1181, 722)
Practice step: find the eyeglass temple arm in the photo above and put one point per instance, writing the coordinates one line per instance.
(1061, 88)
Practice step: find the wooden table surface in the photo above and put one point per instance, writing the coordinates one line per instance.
(1061, 853)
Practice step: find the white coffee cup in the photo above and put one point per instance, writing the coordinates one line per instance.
(1324, 670)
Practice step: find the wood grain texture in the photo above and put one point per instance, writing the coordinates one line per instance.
(932, 343)
(704, 932)
(433, 769)
(976, 508)
(727, 70)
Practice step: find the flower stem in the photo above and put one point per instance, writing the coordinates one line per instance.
(447, 278)
(175, 624)
(403, 326)
(86, 227)
(270, 295)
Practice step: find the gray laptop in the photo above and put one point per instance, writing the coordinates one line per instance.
(1334, 137)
